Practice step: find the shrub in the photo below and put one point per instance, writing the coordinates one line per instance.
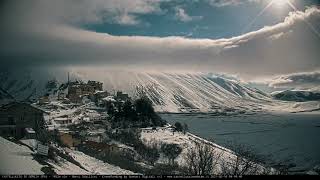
(171, 151)
(127, 136)
(178, 126)
(149, 152)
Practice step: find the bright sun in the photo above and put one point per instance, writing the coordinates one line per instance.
(279, 3)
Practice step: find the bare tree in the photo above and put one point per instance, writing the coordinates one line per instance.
(171, 151)
(151, 151)
(185, 128)
(201, 159)
(244, 162)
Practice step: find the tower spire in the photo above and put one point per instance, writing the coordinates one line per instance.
(68, 78)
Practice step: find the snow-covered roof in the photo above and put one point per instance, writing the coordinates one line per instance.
(65, 130)
(97, 92)
(23, 103)
(96, 132)
(61, 119)
(30, 130)
(109, 98)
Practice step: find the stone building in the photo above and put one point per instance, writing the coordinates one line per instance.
(122, 96)
(99, 95)
(96, 85)
(69, 139)
(44, 99)
(63, 121)
(16, 117)
(77, 91)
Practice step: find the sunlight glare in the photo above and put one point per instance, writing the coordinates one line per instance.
(279, 3)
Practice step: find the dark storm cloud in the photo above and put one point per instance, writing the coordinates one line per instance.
(48, 33)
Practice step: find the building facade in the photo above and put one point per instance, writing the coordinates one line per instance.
(76, 91)
(16, 117)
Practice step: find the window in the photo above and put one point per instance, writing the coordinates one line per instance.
(11, 120)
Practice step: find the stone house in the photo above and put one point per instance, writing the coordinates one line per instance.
(77, 90)
(61, 96)
(63, 120)
(44, 99)
(69, 139)
(74, 93)
(109, 102)
(16, 117)
(122, 96)
(96, 85)
(98, 96)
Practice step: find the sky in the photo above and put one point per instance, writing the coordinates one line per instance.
(272, 42)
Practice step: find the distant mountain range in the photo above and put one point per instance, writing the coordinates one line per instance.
(297, 95)
(5, 97)
(169, 92)
(197, 92)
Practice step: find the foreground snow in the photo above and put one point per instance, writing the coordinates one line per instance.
(95, 166)
(64, 167)
(17, 159)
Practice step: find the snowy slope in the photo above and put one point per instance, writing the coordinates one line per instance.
(17, 159)
(64, 167)
(169, 92)
(23, 85)
(298, 100)
(186, 142)
(5, 97)
(95, 166)
(175, 93)
(294, 107)
(184, 92)
(27, 84)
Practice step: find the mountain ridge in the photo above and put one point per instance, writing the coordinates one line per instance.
(297, 95)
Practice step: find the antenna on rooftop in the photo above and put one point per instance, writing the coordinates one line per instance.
(68, 78)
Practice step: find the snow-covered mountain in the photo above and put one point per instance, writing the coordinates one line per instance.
(297, 95)
(184, 92)
(5, 97)
(20, 85)
(25, 84)
(198, 92)
(169, 92)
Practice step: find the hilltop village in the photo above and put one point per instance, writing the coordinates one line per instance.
(84, 119)
(80, 128)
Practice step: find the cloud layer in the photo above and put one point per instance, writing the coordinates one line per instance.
(49, 33)
(298, 80)
(221, 3)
